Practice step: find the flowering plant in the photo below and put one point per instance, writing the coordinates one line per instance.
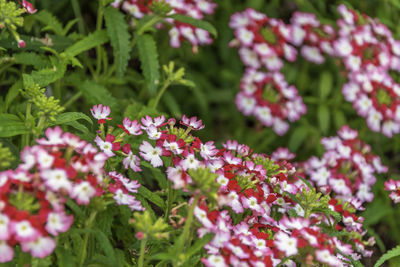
(123, 140)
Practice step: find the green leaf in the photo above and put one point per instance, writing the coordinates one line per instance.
(323, 118)
(47, 76)
(11, 125)
(102, 241)
(78, 126)
(12, 94)
(92, 40)
(388, 255)
(96, 93)
(197, 23)
(64, 257)
(198, 245)
(339, 118)
(146, 193)
(71, 116)
(51, 22)
(325, 84)
(27, 58)
(117, 31)
(148, 56)
(297, 138)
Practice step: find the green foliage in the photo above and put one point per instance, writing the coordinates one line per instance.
(151, 229)
(148, 56)
(117, 31)
(395, 252)
(11, 125)
(92, 40)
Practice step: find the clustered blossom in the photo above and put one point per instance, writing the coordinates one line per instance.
(32, 200)
(347, 168)
(179, 31)
(263, 45)
(364, 45)
(394, 187)
(32, 197)
(369, 52)
(255, 220)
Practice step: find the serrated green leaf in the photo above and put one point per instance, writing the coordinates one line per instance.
(92, 40)
(11, 125)
(96, 93)
(28, 58)
(47, 76)
(297, 138)
(325, 84)
(148, 56)
(152, 197)
(71, 116)
(195, 22)
(388, 255)
(117, 31)
(51, 22)
(78, 126)
(323, 118)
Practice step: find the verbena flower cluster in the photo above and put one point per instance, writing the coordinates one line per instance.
(260, 212)
(364, 45)
(179, 31)
(33, 196)
(369, 52)
(347, 168)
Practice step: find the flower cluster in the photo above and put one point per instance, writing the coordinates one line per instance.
(179, 31)
(346, 168)
(259, 212)
(394, 187)
(263, 44)
(369, 52)
(32, 200)
(365, 46)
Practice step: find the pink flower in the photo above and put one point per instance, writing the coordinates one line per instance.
(192, 122)
(151, 154)
(286, 244)
(40, 248)
(6, 252)
(131, 127)
(83, 192)
(29, 7)
(101, 113)
(21, 44)
(58, 222)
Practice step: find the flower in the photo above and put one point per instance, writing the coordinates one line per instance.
(101, 113)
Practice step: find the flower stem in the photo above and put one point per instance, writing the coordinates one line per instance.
(142, 250)
(160, 93)
(169, 201)
(188, 223)
(88, 225)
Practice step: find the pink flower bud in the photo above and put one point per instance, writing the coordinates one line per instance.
(21, 44)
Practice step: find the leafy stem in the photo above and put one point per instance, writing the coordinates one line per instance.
(88, 225)
(169, 201)
(142, 251)
(160, 93)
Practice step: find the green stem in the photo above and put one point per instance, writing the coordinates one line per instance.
(160, 93)
(142, 250)
(72, 99)
(78, 15)
(169, 201)
(147, 25)
(40, 125)
(88, 225)
(99, 24)
(27, 118)
(188, 223)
